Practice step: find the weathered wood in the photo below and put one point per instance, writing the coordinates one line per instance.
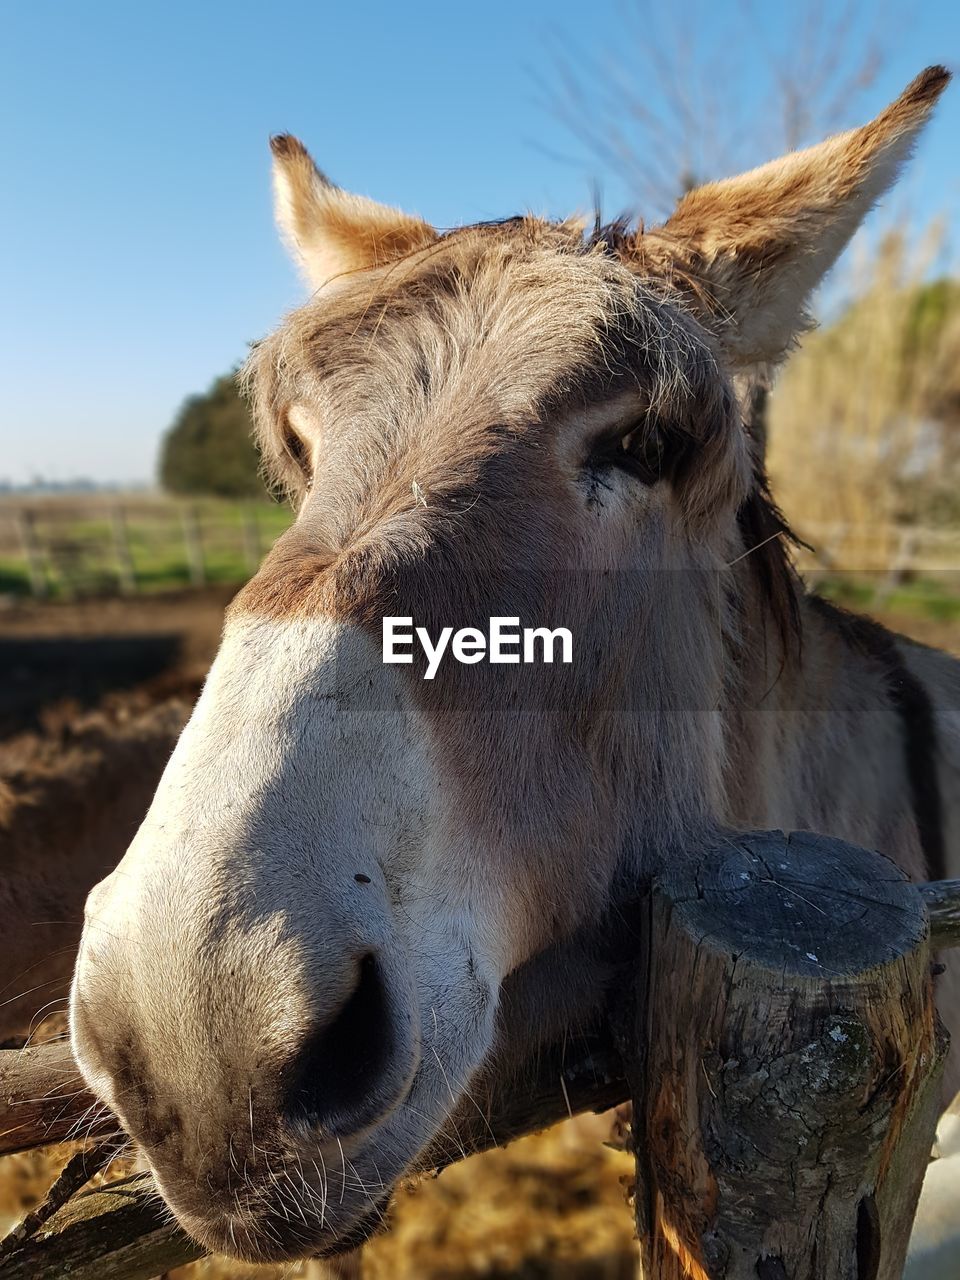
(44, 1100)
(75, 1174)
(788, 1092)
(119, 1232)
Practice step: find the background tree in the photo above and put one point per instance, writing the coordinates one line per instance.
(864, 419)
(209, 448)
(664, 105)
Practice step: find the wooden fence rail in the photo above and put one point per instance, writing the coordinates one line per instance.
(98, 545)
(890, 554)
(71, 547)
(766, 1004)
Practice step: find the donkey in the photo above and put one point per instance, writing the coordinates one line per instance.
(287, 985)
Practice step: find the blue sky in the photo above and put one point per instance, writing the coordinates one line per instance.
(138, 253)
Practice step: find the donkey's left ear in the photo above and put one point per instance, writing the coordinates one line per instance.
(330, 232)
(752, 249)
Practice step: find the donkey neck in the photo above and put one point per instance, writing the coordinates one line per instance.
(836, 736)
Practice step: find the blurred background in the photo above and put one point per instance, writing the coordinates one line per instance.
(139, 262)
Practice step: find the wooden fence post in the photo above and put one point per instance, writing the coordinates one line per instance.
(193, 542)
(33, 554)
(899, 566)
(126, 570)
(785, 1063)
(251, 537)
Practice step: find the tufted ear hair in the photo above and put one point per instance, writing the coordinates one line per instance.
(331, 233)
(750, 250)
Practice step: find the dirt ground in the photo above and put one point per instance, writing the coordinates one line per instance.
(551, 1207)
(73, 655)
(195, 615)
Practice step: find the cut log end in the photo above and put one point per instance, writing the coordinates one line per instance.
(792, 1063)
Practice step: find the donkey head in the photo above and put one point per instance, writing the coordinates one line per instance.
(286, 985)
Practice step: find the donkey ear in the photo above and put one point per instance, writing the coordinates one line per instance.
(751, 249)
(329, 231)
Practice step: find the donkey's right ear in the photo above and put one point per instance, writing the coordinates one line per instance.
(330, 232)
(750, 250)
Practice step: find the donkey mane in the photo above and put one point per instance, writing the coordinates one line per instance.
(517, 271)
(769, 542)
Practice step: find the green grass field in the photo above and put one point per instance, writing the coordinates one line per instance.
(928, 595)
(102, 545)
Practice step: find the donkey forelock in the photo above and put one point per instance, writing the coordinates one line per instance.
(498, 325)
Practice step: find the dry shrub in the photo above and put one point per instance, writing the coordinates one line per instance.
(859, 436)
(549, 1207)
(553, 1206)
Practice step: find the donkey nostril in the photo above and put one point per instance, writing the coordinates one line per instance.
(335, 1076)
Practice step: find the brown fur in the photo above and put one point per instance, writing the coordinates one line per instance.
(335, 233)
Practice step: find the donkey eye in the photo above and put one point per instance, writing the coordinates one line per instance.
(638, 451)
(296, 449)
